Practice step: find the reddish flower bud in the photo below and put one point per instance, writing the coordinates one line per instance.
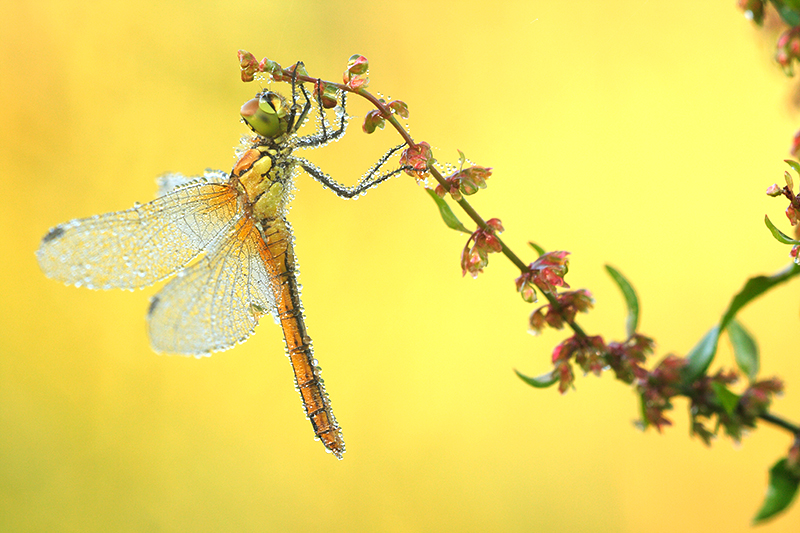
(373, 120)
(273, 69)
(399, 107)
(357, 65)
(495, 224)
(327, 93)
(356, 75)
(791, 214)
(248, 65)
(548, 271)
(788, 49)
(773, 190)
(565, 376)
(658, 387)
(469, 180)
(417, 157)
(480, 244)
(626, 358)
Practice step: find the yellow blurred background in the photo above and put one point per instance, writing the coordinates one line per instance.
(641, 134)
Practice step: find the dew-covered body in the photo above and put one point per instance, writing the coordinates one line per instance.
(226, 239)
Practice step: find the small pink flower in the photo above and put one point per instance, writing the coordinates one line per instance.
(482, 242)
(418, 158)
(355, 76)
(248, 65)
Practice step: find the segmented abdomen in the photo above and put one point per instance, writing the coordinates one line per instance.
(280, 261)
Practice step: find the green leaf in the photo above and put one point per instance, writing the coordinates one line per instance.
(745, 349)
(539, 250)
(781, 491)
(541, 382)
(778, 234)
(701, 355)
(754, 288)
(631, 300)
(447, 213)
(794, 164)
(727, 399)
(789, 15)
(461, 159)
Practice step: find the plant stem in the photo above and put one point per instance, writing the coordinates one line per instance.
(465, 205)
(780, 422)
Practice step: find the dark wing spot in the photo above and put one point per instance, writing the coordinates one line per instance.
(153, 303)
(53, 234)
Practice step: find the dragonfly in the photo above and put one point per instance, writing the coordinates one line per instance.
(226, 242)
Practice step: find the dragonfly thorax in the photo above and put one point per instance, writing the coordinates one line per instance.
(264, 176)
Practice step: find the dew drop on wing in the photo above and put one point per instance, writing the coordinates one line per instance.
(53, 234)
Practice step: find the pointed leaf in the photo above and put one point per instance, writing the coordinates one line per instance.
(727, 399)
(700, 357)
(461, 159)
(781, 491)
(447, 213)
(745, 349)
(788, 15)
(539, 249)
(778, 234)
(631, 300)
(643, 424)
(540, 382)
(754, 288)
(794, 164)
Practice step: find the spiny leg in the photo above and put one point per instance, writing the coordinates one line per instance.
(293, 124)
(322, 136)
(367, 181)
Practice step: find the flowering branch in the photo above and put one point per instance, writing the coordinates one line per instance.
(710, 396)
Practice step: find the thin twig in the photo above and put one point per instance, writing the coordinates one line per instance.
(780, 422)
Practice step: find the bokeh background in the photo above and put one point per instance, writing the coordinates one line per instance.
(641, 134)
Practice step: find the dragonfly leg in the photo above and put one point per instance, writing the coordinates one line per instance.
(369, 180)
(323, 135)
(294, 121)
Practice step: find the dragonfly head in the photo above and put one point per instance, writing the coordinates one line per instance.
(266, 114)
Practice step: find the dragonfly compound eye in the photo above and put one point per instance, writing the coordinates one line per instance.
(266, 115)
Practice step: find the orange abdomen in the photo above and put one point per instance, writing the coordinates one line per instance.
(280, 261)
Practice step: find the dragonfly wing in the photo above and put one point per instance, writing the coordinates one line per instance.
(217, 301)
(138, 247)
(172, 180)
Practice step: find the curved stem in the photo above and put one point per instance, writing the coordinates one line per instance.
(469, 210)
(387, 114)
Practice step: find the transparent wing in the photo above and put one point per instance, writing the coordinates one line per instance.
(217, 301)
(138, 247)
(172, 180)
